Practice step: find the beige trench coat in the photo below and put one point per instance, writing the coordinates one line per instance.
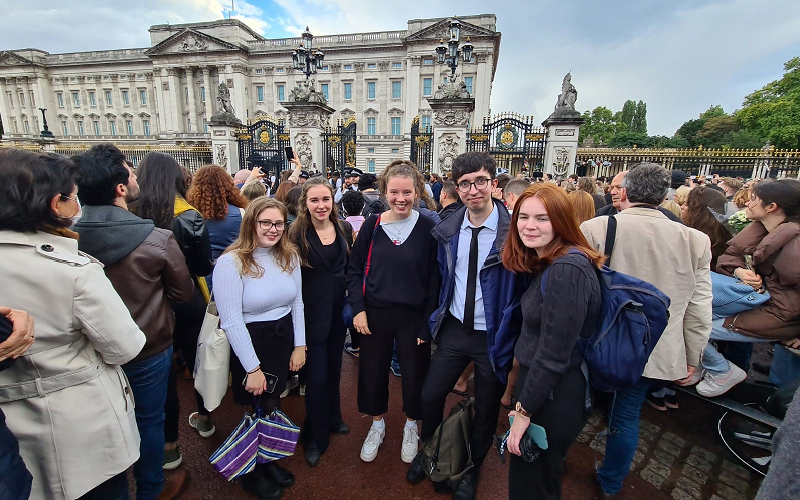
(676, 259)
(67, 400)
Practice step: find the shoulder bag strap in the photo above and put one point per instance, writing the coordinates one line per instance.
(369, 256)
(611, 234)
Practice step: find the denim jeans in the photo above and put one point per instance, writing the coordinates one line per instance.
(785, 366)
(148, 379)
(623, 435)
(712, 360)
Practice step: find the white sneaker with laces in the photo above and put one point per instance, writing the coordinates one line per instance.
(410, 446)
(369, 450)
(717, 384)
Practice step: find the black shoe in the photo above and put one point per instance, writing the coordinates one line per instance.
(312, 455)
(415, 472)
(671, 400)
(278, 474)
(467, 488)
(656, 403)
(342, 428)
(261, 487)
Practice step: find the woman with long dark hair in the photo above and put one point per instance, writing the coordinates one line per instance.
(324, 243)
(260, 303)
(545, 237)
(402, 289)
(162, 199)
(703, 210)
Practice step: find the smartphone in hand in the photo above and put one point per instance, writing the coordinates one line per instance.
(289, 153)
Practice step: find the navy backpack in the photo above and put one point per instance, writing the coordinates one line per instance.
(633, 315)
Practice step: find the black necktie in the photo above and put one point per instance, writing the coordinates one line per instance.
(472, 278)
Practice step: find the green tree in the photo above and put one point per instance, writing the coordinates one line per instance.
(599, 125)
(625, 119)
(773, 111)
(628, 138)
(639, 123)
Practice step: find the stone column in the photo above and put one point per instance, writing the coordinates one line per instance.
(175, 98)
(562, 142)
(5, 115)
(224, 145)
(209, 91)
(198, 127)
(307, 122)
(240, 82)
(450, 121)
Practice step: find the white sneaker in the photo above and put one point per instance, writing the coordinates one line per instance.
(717, 384)
(369, 450)
(291, 384)
(697, 376)
(410, 447)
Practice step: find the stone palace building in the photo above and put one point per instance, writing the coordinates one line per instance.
(166, 93)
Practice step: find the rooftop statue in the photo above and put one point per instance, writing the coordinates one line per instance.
(568, 95)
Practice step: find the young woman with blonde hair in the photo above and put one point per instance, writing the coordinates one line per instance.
(257, 288)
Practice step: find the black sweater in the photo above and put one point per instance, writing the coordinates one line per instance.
(404, 274)
(551, 325)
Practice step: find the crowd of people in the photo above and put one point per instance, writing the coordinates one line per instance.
(108, 270)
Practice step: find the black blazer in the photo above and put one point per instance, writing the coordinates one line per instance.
(324, 286)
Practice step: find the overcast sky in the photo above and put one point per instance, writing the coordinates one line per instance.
(679, 56)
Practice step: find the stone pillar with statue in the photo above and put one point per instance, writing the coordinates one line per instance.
(563, 126)
(309, 115)
(452, 107)
(223, 126)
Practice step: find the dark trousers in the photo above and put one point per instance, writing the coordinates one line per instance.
(455, 351)
(388, 324)
(562, 418)
(188, 321)
(323, 373)
(115, 488)
(15, 480)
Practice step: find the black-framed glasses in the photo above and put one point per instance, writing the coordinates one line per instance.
(480, 185)
(267, 225)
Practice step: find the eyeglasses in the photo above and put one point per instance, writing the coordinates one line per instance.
(480, 184)
(267, 225)
(70, 198)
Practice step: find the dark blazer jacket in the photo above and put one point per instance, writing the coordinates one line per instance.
(324, 286)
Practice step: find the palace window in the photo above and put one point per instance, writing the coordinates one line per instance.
(348, 91)
(92, 99)
(397, 90)
(146, 127)
(281, 94)
(33, 101)
(371, 166)
(76, 99)
(112, 127)
(468, 83)
(371, 126)
(260, 93)
(109, 98)
(325, 87)
(126, 100)
(426, 122)
(27, 126)
(371, 90)
(427, 87)
(372, 65)
(64, 128)
(143, 97)
(22, 99)
(370, 150)
(96, 125)
(428, 61)
(10, 99)
(348, 67)
(395, 150)
(397, 65)
(202, 94)
(129, 126)
(60, 99)
(186, 94)
(80, 128)
(259, 71)
(396, 126)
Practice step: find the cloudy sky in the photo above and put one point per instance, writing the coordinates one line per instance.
(679, 56)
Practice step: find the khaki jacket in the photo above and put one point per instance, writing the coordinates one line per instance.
(676, 259)
(66, 399)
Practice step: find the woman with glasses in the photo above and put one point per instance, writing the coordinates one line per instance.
(397, 253)
(66, 399)
(257, 288)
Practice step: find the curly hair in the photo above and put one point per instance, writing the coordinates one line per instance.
(212, 191)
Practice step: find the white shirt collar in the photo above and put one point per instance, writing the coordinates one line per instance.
(490, 223)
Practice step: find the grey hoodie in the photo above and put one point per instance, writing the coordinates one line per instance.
(110, 233)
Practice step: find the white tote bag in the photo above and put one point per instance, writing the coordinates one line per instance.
(212, 363)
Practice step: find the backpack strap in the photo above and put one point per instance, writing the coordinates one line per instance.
(611, 235)
(369, 256)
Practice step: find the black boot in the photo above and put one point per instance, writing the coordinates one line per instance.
(342, 428)
(278, 474)
(263, 488)
(312, 454)
(415, 472)
(467, 488)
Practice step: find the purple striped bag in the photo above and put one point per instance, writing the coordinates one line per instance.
(255, 440)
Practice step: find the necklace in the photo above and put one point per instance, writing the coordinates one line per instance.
(322, 235)
(398, 228)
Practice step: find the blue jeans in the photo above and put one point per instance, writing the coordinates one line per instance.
(623, 435)
(712, 360)
(785, 366)
(148, 379)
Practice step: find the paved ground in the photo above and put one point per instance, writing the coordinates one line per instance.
(680, 457)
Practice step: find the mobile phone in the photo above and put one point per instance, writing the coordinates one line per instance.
(535, 432)
(272, 381)
(289, 153)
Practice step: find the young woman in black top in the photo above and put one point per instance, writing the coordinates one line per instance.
(401, 293)
(551, 387)
(324, 242)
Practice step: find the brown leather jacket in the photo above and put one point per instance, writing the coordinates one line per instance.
(146, 276)
(776, 258)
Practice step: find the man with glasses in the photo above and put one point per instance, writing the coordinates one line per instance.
(476, 290)
(614, 207)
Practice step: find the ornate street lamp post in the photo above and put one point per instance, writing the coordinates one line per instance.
(450, 53)
(305, 58)
(45, 134)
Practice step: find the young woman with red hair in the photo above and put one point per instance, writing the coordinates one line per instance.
(551, 387)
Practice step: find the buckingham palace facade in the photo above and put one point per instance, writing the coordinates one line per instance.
(166, 93)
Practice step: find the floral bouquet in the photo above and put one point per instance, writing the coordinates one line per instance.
(738, 221)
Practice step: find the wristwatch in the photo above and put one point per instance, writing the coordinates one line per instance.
(519, 409)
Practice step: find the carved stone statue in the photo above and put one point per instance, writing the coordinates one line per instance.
(306, 91)
(448, 150)
(192, 44)
(568, 95)
(452, 90)
(225, 113)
